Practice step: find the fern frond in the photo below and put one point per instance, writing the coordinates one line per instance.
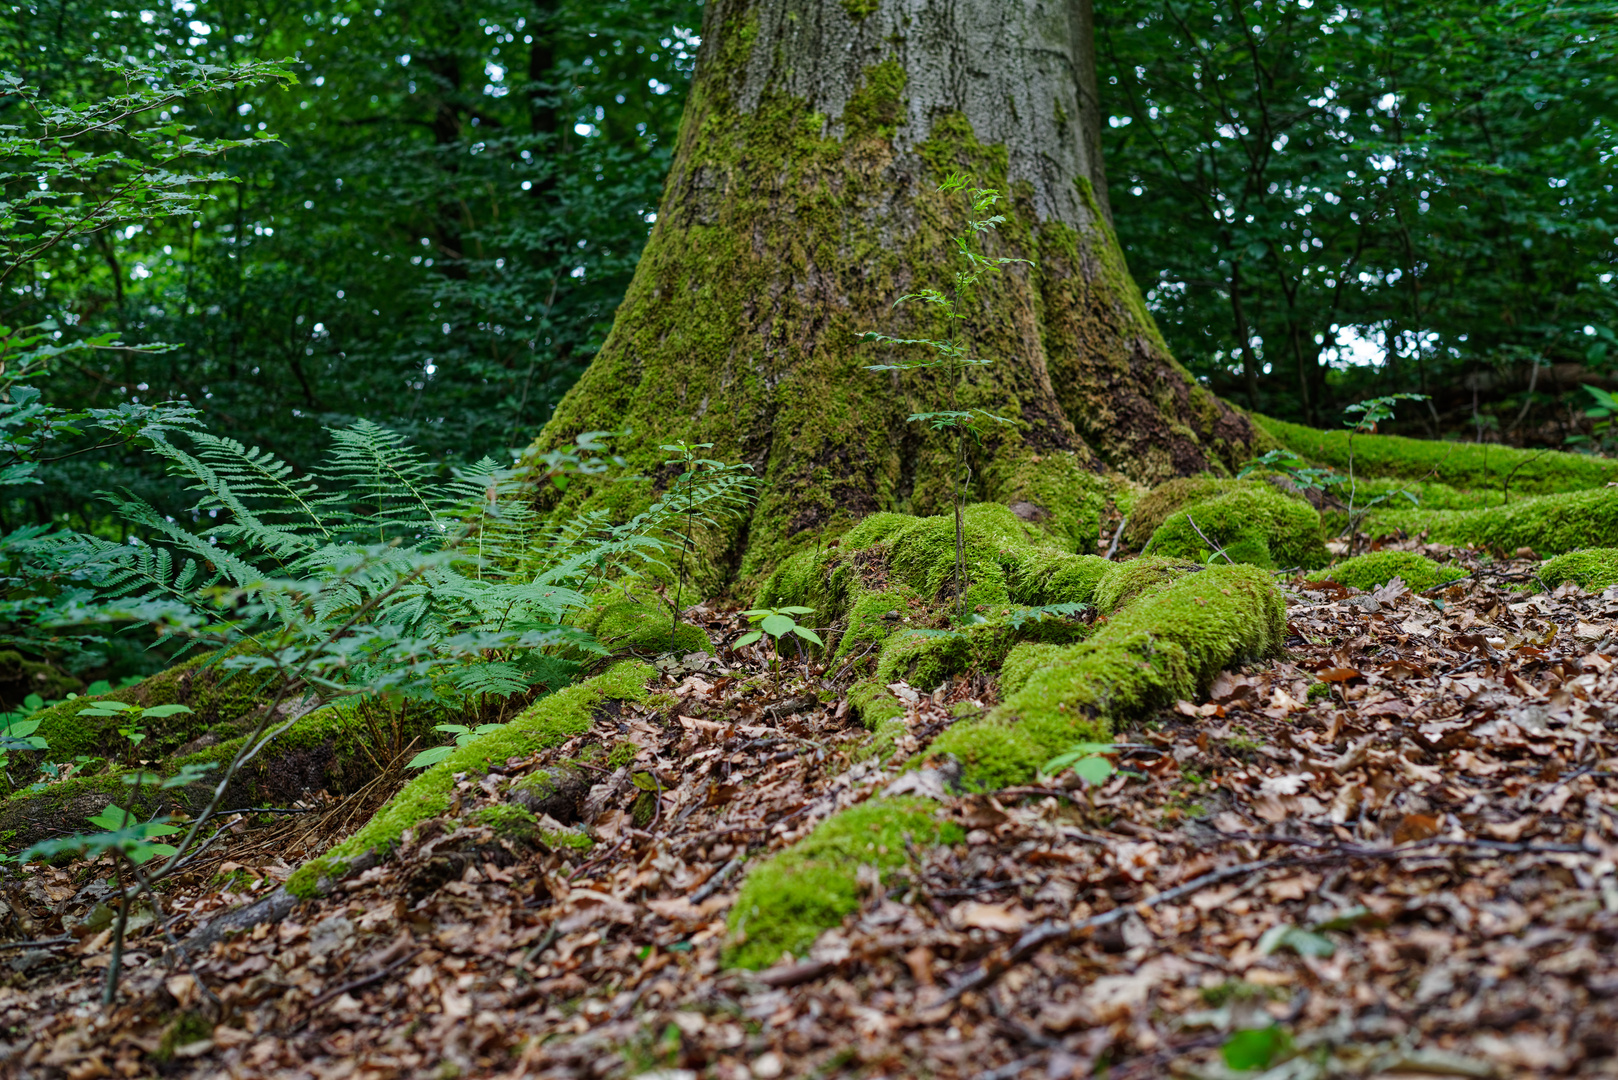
(387, 487)
(254, 474)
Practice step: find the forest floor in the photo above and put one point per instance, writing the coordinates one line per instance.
(1411, 874)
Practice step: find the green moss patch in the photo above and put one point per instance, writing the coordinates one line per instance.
(1257, 525)
(642, 623)
(548, 722)
(1547, 524)
(786, 902)
(1369, 571)
(1459, 465)
(1591, 569)
(1155, 507)
(1126, 580)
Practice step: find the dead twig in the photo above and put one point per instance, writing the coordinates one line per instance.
(1112, 548)
(1046, 933)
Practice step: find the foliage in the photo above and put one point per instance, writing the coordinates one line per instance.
(695, 474)
(437, 241)
(1603, 437)
(952, 355)
(1328, 201)
(69, 175)
(1304, 475)
(1088, 760)
(120, 832)
(1255, 1048)
(463, 735)
(134, 717)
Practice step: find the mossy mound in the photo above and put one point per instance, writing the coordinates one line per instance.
(1591, 569)
(640, 622)
(787, 901)
(1156, 506)
(1547, 524)
(220, 700)
(1369, 571)
(1126, 580)
(548, 722)
(1257, 525)
(1163, 646)
(887, 593)
(1458, 465)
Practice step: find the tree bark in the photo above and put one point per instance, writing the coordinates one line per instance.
(801, 203)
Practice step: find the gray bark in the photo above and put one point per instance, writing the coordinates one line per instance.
(1022, 72)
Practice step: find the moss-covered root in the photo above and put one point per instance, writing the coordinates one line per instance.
(1547, 524)
(1161, 647)
(1418, 572)
(1592, 569)
(1460, 465)
(548, 722)
(219, 698)
(1257, 525)
(787, 901)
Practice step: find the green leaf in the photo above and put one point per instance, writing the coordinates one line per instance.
(107, 708)
(777, 625)
(1093, 770)
(431, 756)
(1303, 942)
(747, 639)
(158, 712)
(1255, 1048)
(808, 635)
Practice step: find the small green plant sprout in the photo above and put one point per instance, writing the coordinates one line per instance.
(952, 354)
(696, 473)
(1363, 420)
(585, 457)
(1089, 762)
(135, 717)
(121, 833)
(1255, 1048)
(463, 735)
(1302, 473)
(778, 624)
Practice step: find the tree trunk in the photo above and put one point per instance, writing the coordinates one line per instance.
(801, 203)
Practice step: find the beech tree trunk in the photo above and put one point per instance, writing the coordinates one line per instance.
(802, 202)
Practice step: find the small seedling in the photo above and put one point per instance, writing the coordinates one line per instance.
(1302, 473)
(463, 735)
(696, 470)
(1088, 762)
(1371, 412)
(778, 624)
(135, 717)
(953, 354)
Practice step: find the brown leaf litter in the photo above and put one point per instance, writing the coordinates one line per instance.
(1399, 844)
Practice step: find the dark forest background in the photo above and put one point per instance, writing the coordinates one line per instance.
(1322, 202)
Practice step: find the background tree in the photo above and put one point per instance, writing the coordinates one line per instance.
(1336, 201)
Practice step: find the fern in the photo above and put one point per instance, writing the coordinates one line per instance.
(375, 575)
